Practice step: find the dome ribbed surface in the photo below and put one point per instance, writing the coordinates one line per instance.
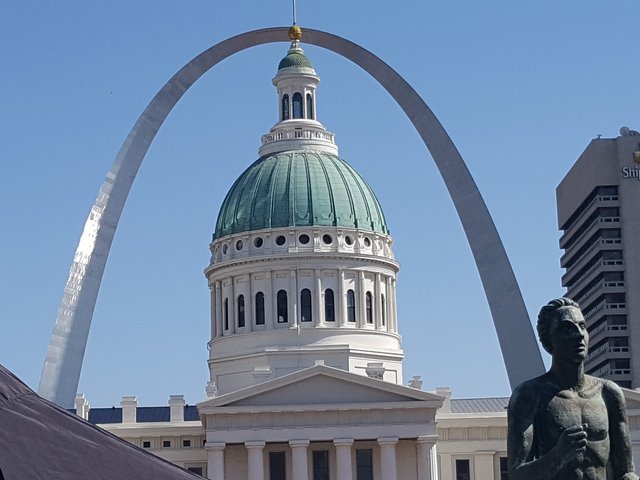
(299, 189)
(295, 59)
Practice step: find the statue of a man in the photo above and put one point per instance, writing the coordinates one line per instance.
(566, 425)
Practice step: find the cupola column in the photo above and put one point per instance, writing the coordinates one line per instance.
(249, 306)
(394, 308)
(233, 306)
(319, 313)
(341, 303)
(218, 308)
(293, 298)
(361, 301)
(388, 304)
(268, 300)
(377, 301)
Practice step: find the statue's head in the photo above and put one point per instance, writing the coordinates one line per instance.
(562, 330)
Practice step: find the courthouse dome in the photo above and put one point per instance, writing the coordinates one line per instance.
(299, 188)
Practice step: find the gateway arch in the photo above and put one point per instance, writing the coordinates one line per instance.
(63, 363)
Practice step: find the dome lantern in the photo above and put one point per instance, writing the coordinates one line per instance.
(297, 127)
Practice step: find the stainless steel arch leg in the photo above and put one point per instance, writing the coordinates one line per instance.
(63, 363)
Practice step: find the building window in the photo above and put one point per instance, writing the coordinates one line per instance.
(282, 306)
(369, 307)
(297, 105)
(463, 470)
(351, 306)
(197, 470)
(383, 313)
(305, 305)
(329, 306)
(226, 314)
(277, 466)
(310, 106)
(285, 107)
(186, 443)
(259, 308)
(364, 464)
(504, 468)
(146, 444)
(166, 444)
(241, 320)
(321, 465)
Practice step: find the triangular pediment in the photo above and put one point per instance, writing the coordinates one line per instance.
(321, 385)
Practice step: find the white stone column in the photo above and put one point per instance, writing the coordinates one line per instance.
(293, 299)
(299, 459)
(427, 457)
(215, 460)
(377, 302)
(232, 307)
(393, 318)
(387, 303)
(219, 320)
(341, 300)
(388, 468)
(343, 458)
(483, 464)
(212, 310)
(319, 313)
(269, 303)
(249, 307)
(255, 459)
(361, 301)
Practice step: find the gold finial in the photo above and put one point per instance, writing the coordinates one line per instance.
(295, 32)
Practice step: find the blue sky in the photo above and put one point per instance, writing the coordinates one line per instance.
(521, 87)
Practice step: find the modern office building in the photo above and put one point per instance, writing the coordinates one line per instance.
(599, 214)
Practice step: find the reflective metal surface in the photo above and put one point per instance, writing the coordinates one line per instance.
(63, 363)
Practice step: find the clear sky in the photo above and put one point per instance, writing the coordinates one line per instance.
(521, 87)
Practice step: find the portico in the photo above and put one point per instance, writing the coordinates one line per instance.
(298, 423)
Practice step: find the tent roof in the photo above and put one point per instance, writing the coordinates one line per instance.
(39, 439)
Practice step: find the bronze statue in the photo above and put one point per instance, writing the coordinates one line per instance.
(566, 425)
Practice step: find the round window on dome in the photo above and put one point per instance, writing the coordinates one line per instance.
(348, 240)
(258, 242)
(280, 239)
(326, 238)
(304, 239)
(367, 242)
(225, 248)
(239, 245)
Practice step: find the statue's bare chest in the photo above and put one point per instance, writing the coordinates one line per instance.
(567, 409)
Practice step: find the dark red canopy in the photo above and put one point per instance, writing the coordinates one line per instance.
(40, 440)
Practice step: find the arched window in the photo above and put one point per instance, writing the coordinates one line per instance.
(369, 307)
(305, 305)
(226, 314)
(285, 107)
(259, 308)
(282, 307)
(351, 306)
(329, 306)
(310, 106)
(297, 105)
(384, 310)
(241, 320)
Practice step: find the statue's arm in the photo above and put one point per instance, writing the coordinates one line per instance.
(522, 464)
(621, 457)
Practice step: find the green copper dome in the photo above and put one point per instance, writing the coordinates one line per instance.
(299, 188)
(295, 58)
